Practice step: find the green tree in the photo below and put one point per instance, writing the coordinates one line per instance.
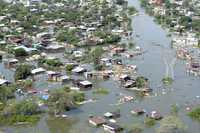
(141, 82)
(7, 92)
(20, 52)
(26, 107)
(195, 114)
(60, 101)
(95, 56)
(78, 96)
(22, 71)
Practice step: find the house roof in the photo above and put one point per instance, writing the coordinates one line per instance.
(26, 48)
(37, 70)
(98, 120)
(108, 114)
(3, 81)
(78, 69)
(112, 126)
(85, 82)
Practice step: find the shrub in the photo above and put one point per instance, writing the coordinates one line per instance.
(78, 96)
(102, 91)
(20, 52)
(195, 114)
(149, 122)
(22, 71)
(167, 80)
(69, 67)
(141, 82)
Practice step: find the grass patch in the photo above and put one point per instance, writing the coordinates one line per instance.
(16, 119)
(167, 80)
(60, 125)
(101, 91)
(195, 114)
(149, 122)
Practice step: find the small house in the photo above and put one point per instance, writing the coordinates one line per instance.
(79, 70)
(37, 71)
(54, 48)
(64, 78)
(112, 128)
(112, 115)
(85, 84)
(117, 61)
(155, 115)
(11, 62)
(130, 83)
(125, 77)
(96, 121)
(4, 82)
(137, 111)
(77, 54)
(53, 76)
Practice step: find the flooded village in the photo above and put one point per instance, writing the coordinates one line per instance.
(95, 66)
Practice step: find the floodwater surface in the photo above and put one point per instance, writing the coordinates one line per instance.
(157, 61)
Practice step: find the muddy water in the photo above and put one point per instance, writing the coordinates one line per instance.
(154, 41)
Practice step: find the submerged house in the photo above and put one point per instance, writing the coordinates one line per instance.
(54, 48)
(38, 71)
(97, 121)
(112, 114)
(11, 62)
(130, 83)
(138, 111)
(112, 128)
(193, 67)
(79, 70)
(84, 84)
(4, 82)
(53, 76)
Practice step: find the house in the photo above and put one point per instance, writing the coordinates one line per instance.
(77, 54)
(4, 82)
(106, 61)
(117, 50)
(37, 71)
(64, 78)
(79, 70)
(155, 115)
(156, 2)
(138, 111)
(74, 88)
(99, 74)
(84, 84)
(130, 83)
(97, 121)
(112, 128)
(54, 48)
(14, 39)
(112, 115)
(28, 50)
(125, 77)
(159, 11)
(11, 62)
(53, 76)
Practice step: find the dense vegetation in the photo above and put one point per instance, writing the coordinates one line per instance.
(195, 114)
(22, 71)
(63, 99)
